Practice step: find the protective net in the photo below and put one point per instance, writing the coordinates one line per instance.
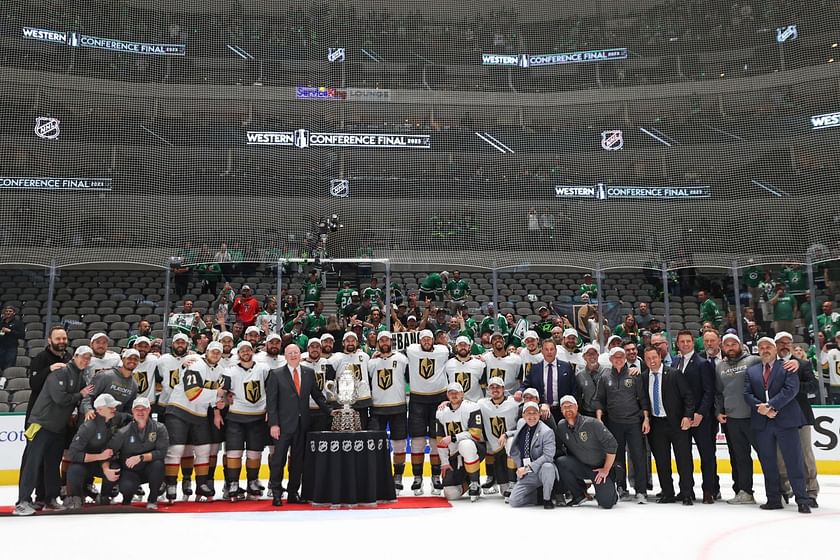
(610, 135)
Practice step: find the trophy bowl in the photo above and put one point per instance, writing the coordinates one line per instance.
(344, 391)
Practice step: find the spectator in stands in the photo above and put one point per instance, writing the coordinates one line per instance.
(709, 310)
(628, 328)
(11, 331)
(828, 322)
(209, 274)
(374, 293)
(784, 310)
(546, 323)
(182, 274)
(643, 317)
(144, 328)
(533, 222)
(224, 258)
(588, 288)
(246, 307)
(458, 289)
(433, 286)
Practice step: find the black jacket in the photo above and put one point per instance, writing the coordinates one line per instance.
(93, 437)
(58, 399)
(677, 397)
(130, 441)
(807, 384)
(39, 370)
(10, 339)
(284, 406)
(701, 378)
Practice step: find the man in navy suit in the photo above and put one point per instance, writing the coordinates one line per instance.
(552, 378)
(776, 419)
(701, 378)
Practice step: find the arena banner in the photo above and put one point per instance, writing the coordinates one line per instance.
(533, 60)
(57, 183)
(827, 120)
(302, 138)
(73, 39)
(602, 191)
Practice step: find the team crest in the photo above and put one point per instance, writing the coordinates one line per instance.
(453, 428)
(253, 391)
(319, 379)
(427, 368)
(527, 368)
(152, 437)
(584, 436)
(612, 140)
(47, 128)
(464, 379)
(174, 378)
(357, 371)
(498, 426)
(496, 372)
(628, 383)
(142, 381)
(385, 378)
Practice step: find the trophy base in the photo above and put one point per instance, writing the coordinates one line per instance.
(347, 420)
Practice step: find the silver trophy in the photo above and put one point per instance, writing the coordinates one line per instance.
(347, 419)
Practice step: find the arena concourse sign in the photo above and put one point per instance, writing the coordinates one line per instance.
(303, 138)
(73, 39)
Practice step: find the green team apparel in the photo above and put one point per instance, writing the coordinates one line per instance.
(343, 298)
(710, 312)
(375, 295)
(458, 289)
(753, 276)
(783, 308)
(311, 292)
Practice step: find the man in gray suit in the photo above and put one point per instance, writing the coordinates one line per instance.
(532, 451)
(287, 394)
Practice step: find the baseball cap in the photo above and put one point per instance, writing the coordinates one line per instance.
(498, 381)
(782, 334)
(244, 344)
(225, 334)
(411, 318)
(528, 405)
(215, 346)
(99, 335)
(105, 399)
(531, 392)
(617, 350)
(570, 332)
(426, 333)
(273, 336)
(541, 307)
(455, 386)
(313, 340)
(140, 339)
(613, 338)
(589, 347)
(531, 334)
(383, 334)
(568, 399)
(180, 336)
(83, 350)
(496, 333)
(349, 334)
(246, 287)
(326, 336)
(462, 340)
(731, 336)
(252, 329)
(141, 402)
(766, 339)
(130, 352)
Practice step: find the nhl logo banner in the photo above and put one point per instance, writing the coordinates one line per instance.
(612, 140)
(47, 128)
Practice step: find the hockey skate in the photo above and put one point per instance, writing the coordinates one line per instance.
(489, 487)
(171, 493)
(417, 486)
(254, 490)
(437, 485)
(186, 488)
(204, 493)
(398, 484)
(475, 491)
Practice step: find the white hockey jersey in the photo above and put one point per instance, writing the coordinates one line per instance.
(469, 374)
(508, 368)
(427, 372)
(388, 378)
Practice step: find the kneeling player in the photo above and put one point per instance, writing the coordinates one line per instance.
(245, 424)
(499, 414)
(460, 444)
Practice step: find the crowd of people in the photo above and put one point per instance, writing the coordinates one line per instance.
(551, 409)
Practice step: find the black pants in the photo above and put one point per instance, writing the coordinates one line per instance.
(41, 460)
(78, 474)
(573, 473)
(704, 438)
(291, 444)
(740, 440)
(662, 437)
(131, 479)
(629, 436)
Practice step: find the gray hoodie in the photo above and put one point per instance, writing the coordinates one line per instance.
(729, 386)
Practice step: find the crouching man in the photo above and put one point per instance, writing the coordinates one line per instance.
(532, 452)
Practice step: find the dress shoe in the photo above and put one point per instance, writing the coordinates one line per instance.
(804, 508)
(718, 496)
(772, 505)
(708, 498)
(666, 500)
(293, 498)
(814, 504)
(276, 501)
(687, 501)
(548, 504)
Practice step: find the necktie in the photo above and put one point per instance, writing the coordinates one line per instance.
(549, 389)
(766, 374)
(527, 442)
(296, 378)
(657, 404)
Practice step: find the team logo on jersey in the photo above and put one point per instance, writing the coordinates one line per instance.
(357, 370)
(584, 436)
(319, 379)
(152, 437)
(498, 426)
(427, 368)
(496, 372)
(47, 128)
(527, 368)
(464, 379)
(174, 378)
(385, 378)
(142, 381)
(628, 383)
(358, 446)
(453, 428)
(253, 391)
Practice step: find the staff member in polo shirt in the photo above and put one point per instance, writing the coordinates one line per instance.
(590, 454)
(140, 447)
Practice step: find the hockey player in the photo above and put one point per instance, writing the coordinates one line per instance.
(324, 371)
(357, 360)
(460, 443)
(531, 354)
(388, 377)
(501, 364)
(466, 370)
(144, 373)
(427, 379)
(498, 415)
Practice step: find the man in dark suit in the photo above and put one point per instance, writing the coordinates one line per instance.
(287, 394)
(552, 378)
(671, 413)
(701, 378)
(776, 419)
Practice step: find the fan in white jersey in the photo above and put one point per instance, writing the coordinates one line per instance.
(270, 355)
(427, 379)
(144, 373)
(324, 371)
(466, 370)
(102, 361)
(499, 415)
(245, 426)
(388, 377)
(568, 351)
(530, 354)
(187, 419)
(460, 443)
(355, 359)
(500, 363)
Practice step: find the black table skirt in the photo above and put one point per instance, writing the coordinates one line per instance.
(348, 469)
